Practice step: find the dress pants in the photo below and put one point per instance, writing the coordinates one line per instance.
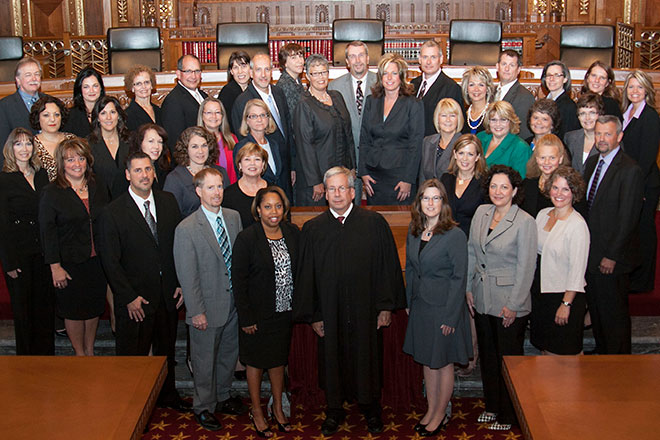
(495, 341)
(157, 330)
(213, 353)
(607, 299)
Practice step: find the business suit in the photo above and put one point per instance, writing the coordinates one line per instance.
(574, 141)
(205, 282)
(567, 113)
(179, 182)
(500, 273)
(137, 264)
(178, 112)
(136, 116)
(227, 96)
(391, 148)
(522, 100)
(430, 166)
(613, 223)
(443, 87)
(13, 113)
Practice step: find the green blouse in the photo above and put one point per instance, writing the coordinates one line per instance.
(512, 151)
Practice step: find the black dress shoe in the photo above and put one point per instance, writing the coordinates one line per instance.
(374, 424)
(177, 404)
(233, 406)
(208, 421)
(240, 375)
(425, 433)
(330, 426)
(419, 427)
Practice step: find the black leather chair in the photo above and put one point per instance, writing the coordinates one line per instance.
(128, 46)
(474, 42)
(11, 50)
(369, 31)
(249, 37)
(581, 45)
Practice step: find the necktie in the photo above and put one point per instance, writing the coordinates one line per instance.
(223, 240)
(359, 97)
(422, 90)
(341, 219)
(594, 183)
(498, 94)
(151, 221)
(276, 114)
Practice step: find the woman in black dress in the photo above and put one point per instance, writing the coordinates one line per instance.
(263, 264)
(238, 78)
(140, 82)
(600, 79)
(28, 280)
(87, 89)
(438, 333)
(152, 139)
(68, 216)
(251, 162)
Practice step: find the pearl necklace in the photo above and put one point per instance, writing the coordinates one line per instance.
(478, 121)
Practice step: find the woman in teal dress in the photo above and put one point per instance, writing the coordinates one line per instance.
(501, 142)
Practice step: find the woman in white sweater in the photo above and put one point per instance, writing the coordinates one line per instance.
(558, 301)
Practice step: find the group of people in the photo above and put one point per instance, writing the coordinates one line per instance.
(522, 210)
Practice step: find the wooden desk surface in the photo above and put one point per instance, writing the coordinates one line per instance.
(586, 397)
(63, 397)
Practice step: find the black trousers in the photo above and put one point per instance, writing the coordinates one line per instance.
(33, 306)
(495, 341)
(642, 279)
(607, 299)
(157, 330)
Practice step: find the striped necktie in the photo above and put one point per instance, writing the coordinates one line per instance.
(151, 221)
(594, 184)
(359, 97)
(223, 240)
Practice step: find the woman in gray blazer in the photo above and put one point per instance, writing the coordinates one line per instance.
(581, 142)
(501, 263)
(437, 148)
(438, 333)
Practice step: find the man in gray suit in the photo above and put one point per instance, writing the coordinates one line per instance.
(354, 87)
(510, 90)
(202, 254)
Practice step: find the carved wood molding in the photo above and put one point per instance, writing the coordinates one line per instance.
(122, 11)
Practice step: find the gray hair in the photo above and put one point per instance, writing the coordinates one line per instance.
(606, 119)
(259, 54)
(316, 58)
(356, 43)
(339, 170)
(25, 61)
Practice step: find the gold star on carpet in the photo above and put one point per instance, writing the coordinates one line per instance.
(462, 426)
(391, 416)
(298, 427)
(386, 407)
(345, 438)
(299, 416)
(319, 416)
(160, 425)
(347, 406)
(227, 436)
(459, 415)
(321, 437)
(179, 436)
(300, 406)
(392, 427)
(298, 437)
(229, 416)
(413, 415)
(183, 426)
(164, 414)
(488, 436)
(155, 436)
(369, 437)
(478, 404)
(457, 404)
(202, 437)
(249, 437)
(393, 437)
(186, 416)
(229, 425)
(247, 426)
(275, 436)
(415, 436)
(463, 436)
(345, 426)
(512, 436)
(482, 426)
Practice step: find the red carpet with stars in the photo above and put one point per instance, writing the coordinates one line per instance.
(167, 424)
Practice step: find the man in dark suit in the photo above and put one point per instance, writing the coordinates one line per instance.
(614, 200)
(433, 85)
(136, 251)
(15, 108)
(510, 90)
(354, 87)
(180, 107)
(261, 72)
(202, 253)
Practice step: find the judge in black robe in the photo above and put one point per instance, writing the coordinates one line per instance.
(349, 280)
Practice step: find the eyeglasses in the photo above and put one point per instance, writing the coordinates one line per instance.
(585, 114)
(498, 121)
(139, 84)
(554, 75)
(435, 199)
(189, 72)
(259, 116)
(342, 189)
(319, 74)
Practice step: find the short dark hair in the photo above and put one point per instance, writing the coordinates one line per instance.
(547, 107)
(511, 53)
(77, 86)
(574, 179)
(134, 155)
(40, 106)
(288, 50)
(514, 178)
(591, 100)
(564, 70)
(260, 196)
(239, 57)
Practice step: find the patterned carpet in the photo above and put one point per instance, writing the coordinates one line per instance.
(171, 425)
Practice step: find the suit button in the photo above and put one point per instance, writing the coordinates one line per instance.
(483, 266)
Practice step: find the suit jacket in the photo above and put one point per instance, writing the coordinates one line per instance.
(135, 263)
(640, 141)
(522, 100)
(109, 169)
(178, 112)
(136, 116)
(614, 215)
(13, 113)
(201, 267)
(574, 141)
(501, 264)
(394, 143)
(77, 123)
(180, 183)
(269, 176)
(568, 114)
(253, 272)
(443, 87)
(227, 96)
(429, 166)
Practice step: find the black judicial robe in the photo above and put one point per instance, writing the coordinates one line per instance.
(348, 274)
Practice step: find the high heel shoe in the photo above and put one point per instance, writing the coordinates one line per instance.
(419, 427)
(282, 427)
(266, 433)
(425, 433)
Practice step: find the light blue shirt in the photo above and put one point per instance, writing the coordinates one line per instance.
(28, 99)
(607, 162)
(212, 218)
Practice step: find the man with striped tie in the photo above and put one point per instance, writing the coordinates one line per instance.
(202, 254)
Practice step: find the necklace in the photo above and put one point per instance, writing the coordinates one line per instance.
(80, 190)
(190, 170)
(462, 181)
(478, 121)
(428, 234)
(325, 98)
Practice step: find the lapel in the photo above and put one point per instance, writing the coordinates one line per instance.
(397, 108)
(136, 216)
(608, 177)
(501, 227)
(511, 94)
(208, 233)
(371, 80)
(264, 248)
(187, 97)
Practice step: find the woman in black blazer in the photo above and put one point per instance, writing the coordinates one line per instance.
(152, 140)
(641, 136)
(556, 78)
(68, 215)
(28, 280)
(263, 264)
(391, 136)
(87, 89)
(140, 82)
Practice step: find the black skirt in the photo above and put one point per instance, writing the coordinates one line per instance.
(84, 296)
(269, 346)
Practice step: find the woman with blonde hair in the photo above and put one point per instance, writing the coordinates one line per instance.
(436, 148)
(478, 92)
(213, 117)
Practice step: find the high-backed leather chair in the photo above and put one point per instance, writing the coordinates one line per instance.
(581, 45)
(128, 46)
(249, 37)
(474, 42)
(369, 31)
(11, 50)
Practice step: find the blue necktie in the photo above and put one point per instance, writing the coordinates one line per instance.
(276, 114)
(594, 184)
(223, 240)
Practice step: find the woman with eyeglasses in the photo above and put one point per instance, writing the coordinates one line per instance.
(140, 82)
(600, 79)
(213, 117)
(322, 128)
(238, 78)
(556, 78)
(581, 143)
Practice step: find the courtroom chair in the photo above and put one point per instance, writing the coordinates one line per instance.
(580, 45)
(475, 42)
(11, 50)
(250, 37)
(369, 31)
(128, 46)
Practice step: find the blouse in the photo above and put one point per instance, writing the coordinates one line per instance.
(283, 275)
(48, 161)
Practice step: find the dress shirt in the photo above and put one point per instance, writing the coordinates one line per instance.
(335, 214)
(212, 218)
(363, 86)
(504, 89)
(627, 116)
(271, 158)
(139, 201)
(554, 97)
(607, 161)
(195, 93)
(28, 99)
(429, 80)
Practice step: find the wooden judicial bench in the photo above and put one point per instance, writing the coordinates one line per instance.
(67, 397)
(585, 397)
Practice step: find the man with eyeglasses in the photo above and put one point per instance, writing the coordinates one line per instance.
(510, 90)
(15, 108)
(181, 105)
(349, 282)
